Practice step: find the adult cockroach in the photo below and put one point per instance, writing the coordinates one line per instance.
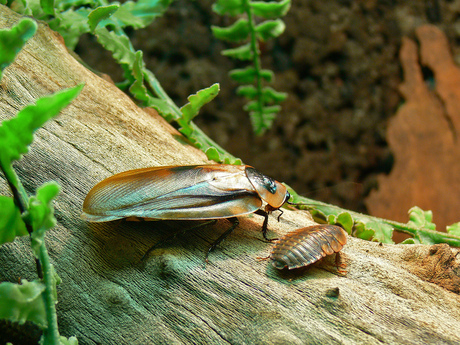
(198, 192)
(305, 246)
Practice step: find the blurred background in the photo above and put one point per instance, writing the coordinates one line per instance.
(337, 60)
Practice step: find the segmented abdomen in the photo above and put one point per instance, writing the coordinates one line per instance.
(305, 246)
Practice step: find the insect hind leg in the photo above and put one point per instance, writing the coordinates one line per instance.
(222, 237)
(173, 236)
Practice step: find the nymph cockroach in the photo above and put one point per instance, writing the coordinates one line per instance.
(198, 192)
(305, 246)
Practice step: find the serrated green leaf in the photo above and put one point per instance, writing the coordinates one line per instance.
(29, 8)
(270, 29)
(16, 134)
(243, 52)
(426, 237)
(137, 14)
(248, 75)
(41, 213)
(244, 75)
(420, 218)
(270, 9)
(346, 221)
(11, 223)
(454, 229)
(71, 25)
(231, 7)
(331, 219)
(163, 108)
(24, 302)
(382, 232)
(362, 232)
(138, 88)
(140, 92)
(236, 32)
(267, 75)
(251, 106)
(47, 6)
(232, 160)
(12, 41)
(196, 101)
(261, 121)
(273, 109)
(120, 46)
(69, 341)
(270, 95)
(410, 241)
(99, 14)
(213, 154)
(124, 17)
(63, 5)
(248, 91)
(140, 13)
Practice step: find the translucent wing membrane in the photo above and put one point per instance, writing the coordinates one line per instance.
(177, 192)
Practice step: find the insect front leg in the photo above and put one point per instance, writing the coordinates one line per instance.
(265, 225)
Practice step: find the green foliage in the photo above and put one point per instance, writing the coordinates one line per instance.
(454, 229)
(41, 213)
(16, 134)
(108, 22)
(270, 9)
(191, 131)
(99, 14)
(263, 101)
(370, 228)
(12, 41)
(23, 302)
(421, 219)
(191, 109)
(11, 223)
(30, 301)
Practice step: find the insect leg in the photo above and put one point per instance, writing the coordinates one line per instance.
(265, 225)
(222, 237)
(174, 235)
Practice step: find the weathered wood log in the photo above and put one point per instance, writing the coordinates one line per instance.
(108, 296)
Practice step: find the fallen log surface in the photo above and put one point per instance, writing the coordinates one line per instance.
(109, 296)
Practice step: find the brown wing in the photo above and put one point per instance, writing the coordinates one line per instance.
(176, 192)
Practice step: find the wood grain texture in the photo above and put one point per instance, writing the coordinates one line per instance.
(107, 296)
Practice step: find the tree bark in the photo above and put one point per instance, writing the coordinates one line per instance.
(108, 296)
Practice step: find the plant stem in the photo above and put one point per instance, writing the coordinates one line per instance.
(433, 235)
(256, 54)
(51, 333)
(44, 269)
(19, 193)
(203, 140)
(21, 200)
